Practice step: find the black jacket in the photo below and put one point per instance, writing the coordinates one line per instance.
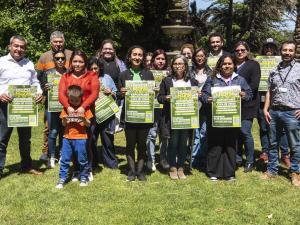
(251, 73)
(164, 125)
(128, 75)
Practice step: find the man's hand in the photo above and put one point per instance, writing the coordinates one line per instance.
(47, 87)
(267, 116)
(243, 95)
(5, 98)
(199, 93)
(123, 91)
(210, 100)
(297, 114)
(156, 90)
(168, 97)
(39, 98)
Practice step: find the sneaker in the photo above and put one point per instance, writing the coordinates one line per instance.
(295, 179)
(164, 164)
(213, 179)
(60, 183)
(286, 161)
(76, 176)
(51, 163)
(44, 156)
(232, 179)
(59, 160)
(131, 176)
(268, 176)
(151, 165)
(83, 182)
(141, 176)
(263, 158)
(90, 176)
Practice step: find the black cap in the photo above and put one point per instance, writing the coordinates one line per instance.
(269, 41)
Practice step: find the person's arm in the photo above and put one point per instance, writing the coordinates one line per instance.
(266, 106)
(246, 92)
(86, 122)
(206, 92)
(121, 84)
(62, 91)
(43, 83)
(95, 86)
(255, 75)
(162, 97)
(64, 121)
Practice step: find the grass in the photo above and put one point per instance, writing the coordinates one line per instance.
(109, 199)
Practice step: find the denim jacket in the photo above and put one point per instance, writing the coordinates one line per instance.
(108, 82)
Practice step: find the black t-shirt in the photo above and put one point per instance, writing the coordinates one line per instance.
(111, 69)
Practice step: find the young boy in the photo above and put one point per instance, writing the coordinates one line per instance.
(75, 137)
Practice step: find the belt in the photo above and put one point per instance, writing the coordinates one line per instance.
(283, 108)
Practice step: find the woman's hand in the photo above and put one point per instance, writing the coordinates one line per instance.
(199, 93)
(168, 97)
(80, 111)
(107, 91)
(71, 111)
(210, 100)
(156, 90)
(123, 91)
(47, 87)
(242, 94)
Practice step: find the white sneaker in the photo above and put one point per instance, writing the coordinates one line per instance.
(83, 182)
(214, 179)
(90, 177)
(76, 176)
(151, 165)
(51, 163)
(60, 184)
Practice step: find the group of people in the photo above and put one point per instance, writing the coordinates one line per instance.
(219, 150)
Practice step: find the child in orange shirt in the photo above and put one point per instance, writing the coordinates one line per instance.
(75, 137)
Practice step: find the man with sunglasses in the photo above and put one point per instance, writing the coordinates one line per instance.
(216, 43)
(282, 110)
(46, 62)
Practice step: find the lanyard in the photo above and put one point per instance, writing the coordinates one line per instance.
(229, 82)
(285, 76)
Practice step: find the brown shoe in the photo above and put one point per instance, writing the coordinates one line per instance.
(286, 161)
(263, 158)
(295, 179)
(173, 173)
(33, 171)
(267, 176)
(181, 174)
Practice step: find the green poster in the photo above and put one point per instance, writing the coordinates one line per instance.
(105, 105)
(267, 63)
(139, 101)
(158, 76)
(22, 110)
(190, 62)
(184, 105)
(53, 102)
(226, 107)
(212, 61)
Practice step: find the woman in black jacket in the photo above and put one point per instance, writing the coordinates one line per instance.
(179, 77)
(250, 70)
(136, 133)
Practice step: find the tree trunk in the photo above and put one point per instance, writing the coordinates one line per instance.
(297, 34)
(229, 28)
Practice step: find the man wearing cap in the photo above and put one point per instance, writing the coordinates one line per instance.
(45, 63)
(15, 69)
(269, 48)
(282, 110)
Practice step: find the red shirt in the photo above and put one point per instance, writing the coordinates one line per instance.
(88, 82)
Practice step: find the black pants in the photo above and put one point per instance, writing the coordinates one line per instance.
(221, 151)
(24, 140)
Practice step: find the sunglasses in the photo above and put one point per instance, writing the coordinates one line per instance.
(62, 58)
(242, 50)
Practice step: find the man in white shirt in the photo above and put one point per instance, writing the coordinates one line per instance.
(15, 69)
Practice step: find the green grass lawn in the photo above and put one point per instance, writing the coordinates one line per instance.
(109, 199)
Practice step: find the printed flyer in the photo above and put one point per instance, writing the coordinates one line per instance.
(267, 63)
(139, 101)
(22, 110)
(53, 102)
(226, 107)
(184, 107)
(105, 105)
(158, 76)
(190, 62)
(212, 61)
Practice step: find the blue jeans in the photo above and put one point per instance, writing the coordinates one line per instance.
(177, 144)
(200, 143)
(246, 138)
(286, 120)
(151, 139)
(55, 128)
(77, 148)
(264, 136)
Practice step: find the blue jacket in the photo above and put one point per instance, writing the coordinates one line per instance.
(217, 81)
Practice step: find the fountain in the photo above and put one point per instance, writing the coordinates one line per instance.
(177, 30)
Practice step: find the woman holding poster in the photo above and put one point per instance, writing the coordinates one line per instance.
(135, 133)
(222, 140)
(179, 76)
(52, 113)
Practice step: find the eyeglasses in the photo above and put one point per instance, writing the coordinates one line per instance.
(178, 64)
(188, 54)
(242, 50)
(200, 56)
(62, 58)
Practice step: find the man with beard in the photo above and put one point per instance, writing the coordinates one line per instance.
(216, 43)
(283, 97)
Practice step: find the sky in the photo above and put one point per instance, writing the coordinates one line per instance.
(203, 4)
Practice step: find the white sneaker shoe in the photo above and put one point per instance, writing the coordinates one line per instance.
(90, 177)
(76, 176)
(151, 165)
(51, 163)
